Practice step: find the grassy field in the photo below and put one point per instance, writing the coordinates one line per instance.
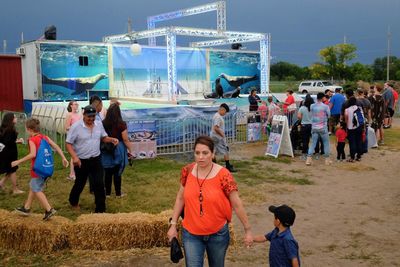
(151, 186)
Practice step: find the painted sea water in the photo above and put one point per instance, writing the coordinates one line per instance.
(64, 78)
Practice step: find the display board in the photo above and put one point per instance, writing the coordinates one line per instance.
(142, 135)
(279, 138)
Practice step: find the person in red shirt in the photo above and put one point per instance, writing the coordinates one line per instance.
(37, 183)
(207, 195)
(341, 135)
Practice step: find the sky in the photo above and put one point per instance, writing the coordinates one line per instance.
(299, 28)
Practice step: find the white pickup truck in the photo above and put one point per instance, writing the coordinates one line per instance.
(317, 86)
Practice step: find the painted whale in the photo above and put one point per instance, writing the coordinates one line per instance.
(236, 81)
(80, 84)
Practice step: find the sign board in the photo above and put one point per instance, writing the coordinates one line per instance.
(142, 136)
(279, 138)
(253, 132)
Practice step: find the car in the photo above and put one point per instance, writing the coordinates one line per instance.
(316, 86)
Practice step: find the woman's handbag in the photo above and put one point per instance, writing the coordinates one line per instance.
(176, 250)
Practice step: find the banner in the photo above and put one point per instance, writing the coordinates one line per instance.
(279, 138)
(142, 135)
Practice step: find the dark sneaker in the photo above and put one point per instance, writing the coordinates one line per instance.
(231, 169)
(21, 210)
(49, 214)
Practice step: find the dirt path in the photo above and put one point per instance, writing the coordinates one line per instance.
(349, 217)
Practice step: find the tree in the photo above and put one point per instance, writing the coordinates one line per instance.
(360, 72)
(287, 71)
(319, 71)
(380, 67)
(335, 58)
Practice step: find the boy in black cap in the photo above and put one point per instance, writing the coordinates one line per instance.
(284, 250)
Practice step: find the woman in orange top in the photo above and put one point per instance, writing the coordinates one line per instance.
(207, 195)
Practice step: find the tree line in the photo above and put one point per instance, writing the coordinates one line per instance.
(334, 65)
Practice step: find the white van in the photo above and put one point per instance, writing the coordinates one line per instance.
(316, 86)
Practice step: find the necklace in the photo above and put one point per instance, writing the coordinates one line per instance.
(201, 187)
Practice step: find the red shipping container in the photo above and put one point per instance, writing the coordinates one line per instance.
(11, 96)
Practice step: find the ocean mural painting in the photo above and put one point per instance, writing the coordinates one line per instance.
(146, 75)
(234, 69)
(69, 71)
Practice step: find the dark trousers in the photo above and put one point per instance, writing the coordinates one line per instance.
(109, 174)
(355, 142)
(340, 150)
(319, 147)
(89, 167)
(305, 136)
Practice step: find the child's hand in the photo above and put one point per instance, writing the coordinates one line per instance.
(65, 162)
(14, 163)
(20, 141)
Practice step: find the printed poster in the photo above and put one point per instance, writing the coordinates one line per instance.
(142, 135)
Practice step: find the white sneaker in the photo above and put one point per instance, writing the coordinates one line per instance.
(308, 161)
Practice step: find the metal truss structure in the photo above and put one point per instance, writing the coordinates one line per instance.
(222, 36)
(219, 6)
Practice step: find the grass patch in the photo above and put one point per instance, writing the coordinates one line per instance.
(392, 138)
(280, 159)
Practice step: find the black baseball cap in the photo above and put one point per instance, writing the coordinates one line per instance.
(284, 213)
(225, 106)
(89, 110)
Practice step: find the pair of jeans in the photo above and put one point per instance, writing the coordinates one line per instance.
(109, 174)
(216, 246)
(355, 142)
(89, 167)
(315, 135)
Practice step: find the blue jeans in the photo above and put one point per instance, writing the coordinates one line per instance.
(319, 133)
(216, 246)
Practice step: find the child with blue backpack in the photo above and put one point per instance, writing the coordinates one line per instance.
(42, 167)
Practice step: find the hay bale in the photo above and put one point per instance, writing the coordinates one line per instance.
(119, 231)
(32, 233)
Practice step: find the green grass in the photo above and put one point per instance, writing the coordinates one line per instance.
(392, 138)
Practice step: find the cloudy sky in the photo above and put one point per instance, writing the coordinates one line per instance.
(299, 28)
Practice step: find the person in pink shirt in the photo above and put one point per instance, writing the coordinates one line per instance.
(288, 101)
(73, 116)
(263, 110)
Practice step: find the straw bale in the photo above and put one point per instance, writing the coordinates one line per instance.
(32, 233)
(119, 231)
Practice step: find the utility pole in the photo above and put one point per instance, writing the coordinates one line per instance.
(389, 36)
(22, 37)
(4, 46)
(129, 25)
(344, 39)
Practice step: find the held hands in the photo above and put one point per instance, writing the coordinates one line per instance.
(115, 141)
(20, 141)
(14, 163)
(248, 238)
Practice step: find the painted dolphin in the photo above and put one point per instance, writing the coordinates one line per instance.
(236, 81)
(80, 85)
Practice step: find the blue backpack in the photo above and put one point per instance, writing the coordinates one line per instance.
(44, 163)
(358, 118)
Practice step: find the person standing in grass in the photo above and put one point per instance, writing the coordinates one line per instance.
(37, 183)
(9, 151)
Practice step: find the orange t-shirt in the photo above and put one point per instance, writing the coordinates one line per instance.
(217, 209)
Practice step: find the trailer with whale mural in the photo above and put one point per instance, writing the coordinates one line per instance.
(71, 70)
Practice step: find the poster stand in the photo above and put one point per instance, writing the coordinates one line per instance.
(279, 138)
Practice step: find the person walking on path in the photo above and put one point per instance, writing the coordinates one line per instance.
(37, 183)
(208, 193)
(319, 128)
(9, 151)
(284, 249)
(83, 144)
(304, 115)
(218, 135)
